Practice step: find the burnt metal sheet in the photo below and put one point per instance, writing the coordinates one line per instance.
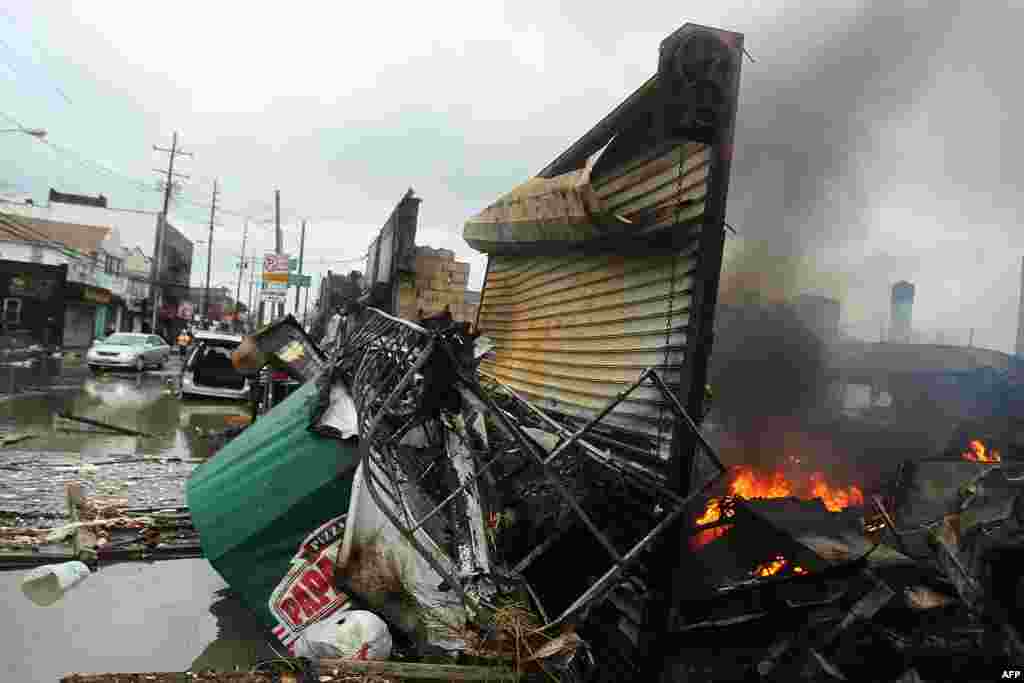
(570, 332)
(649, 186)
(636, 188)
(674, 68)
(387, 247)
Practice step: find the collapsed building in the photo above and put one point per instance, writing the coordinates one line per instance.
(444, 474)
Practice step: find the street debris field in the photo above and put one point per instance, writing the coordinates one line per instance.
(534, 538)
(526, 488)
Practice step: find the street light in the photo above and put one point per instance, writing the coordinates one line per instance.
(34, 132)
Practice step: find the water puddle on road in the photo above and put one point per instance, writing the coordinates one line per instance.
(135, 616)
(174, 615)
(148, 470)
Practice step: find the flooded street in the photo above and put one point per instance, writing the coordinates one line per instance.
(135, 616)
(149, 471)
(130, 617)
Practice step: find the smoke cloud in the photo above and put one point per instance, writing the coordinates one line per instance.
(808, 118)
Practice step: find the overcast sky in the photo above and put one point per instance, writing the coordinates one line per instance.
(874, 141)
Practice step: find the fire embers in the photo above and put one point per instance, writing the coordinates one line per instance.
(977, 452)
(775, 566)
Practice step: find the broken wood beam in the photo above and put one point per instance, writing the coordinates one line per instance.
(417, 671)
(945, 544)
(330, 671)
(799, 651)
(96, 423)
(881, 509)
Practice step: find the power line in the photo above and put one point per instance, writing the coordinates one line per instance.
(81, 159)
(35, 44)
(24, 231)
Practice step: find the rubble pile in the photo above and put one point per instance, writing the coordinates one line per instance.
(835, 585)
(101, 529)
(921, 584)
(497, 496)
(488, 535)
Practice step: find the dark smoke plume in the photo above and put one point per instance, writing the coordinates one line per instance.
(766, 363)
(808, 113)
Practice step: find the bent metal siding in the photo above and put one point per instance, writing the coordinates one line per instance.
(574, 330)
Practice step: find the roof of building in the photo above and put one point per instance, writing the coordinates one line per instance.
(98, 201)
(84, 238)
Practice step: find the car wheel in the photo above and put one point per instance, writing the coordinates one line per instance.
(95, 370)
(140, 364)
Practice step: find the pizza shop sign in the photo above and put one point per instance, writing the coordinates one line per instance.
(306, 594)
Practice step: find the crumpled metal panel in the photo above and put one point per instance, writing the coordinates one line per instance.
(573, 330)
(645, 188)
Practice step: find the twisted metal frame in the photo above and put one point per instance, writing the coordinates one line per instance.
(383, 361)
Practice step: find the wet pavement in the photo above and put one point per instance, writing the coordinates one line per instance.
(149, 471)
(131, 617)
(141, 616)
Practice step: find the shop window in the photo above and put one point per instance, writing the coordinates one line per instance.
(12, 311)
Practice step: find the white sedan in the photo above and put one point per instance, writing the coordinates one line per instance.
(128, 350)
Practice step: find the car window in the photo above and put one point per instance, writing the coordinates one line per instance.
(155, 341)
(123, 340)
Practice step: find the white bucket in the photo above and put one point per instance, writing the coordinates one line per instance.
(47, 584)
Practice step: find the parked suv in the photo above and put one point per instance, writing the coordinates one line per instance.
(208, 371)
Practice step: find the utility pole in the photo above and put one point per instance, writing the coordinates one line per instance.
(277, 239)
(302, 249)
(305, 314)
(209, 254)
(241, 267)
(161, 226)
(252, 281)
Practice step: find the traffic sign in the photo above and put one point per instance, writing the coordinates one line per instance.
(296, 280)
(275, 263)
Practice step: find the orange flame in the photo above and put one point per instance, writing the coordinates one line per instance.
(835, 499)
(746, 483)
(769, 568)
(976, 452)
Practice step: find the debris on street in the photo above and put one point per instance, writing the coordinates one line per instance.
(102, 425)
(103, 529)
(525, 486)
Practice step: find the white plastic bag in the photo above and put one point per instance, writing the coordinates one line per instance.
(354, 634)
(47, 584)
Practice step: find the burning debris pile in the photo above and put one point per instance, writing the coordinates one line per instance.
(921, 583)
(499, 496)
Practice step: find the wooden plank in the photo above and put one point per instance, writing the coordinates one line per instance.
(418, 672)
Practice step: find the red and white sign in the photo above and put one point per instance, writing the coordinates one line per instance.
(186, 310)
(306, 593)
(275, 263)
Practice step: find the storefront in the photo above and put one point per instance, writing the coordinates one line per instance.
(32, 306)
(87, 314)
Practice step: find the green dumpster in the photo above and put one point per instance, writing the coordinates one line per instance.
(255, 502)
